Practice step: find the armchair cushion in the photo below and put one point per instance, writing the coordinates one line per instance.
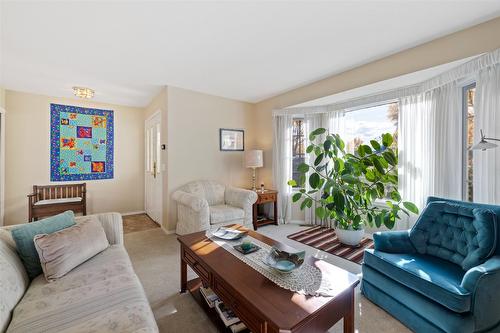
(435, 278)
(462, 235)
(190, 200)
(225, 213)
(239, 197)
(393, 242)
(211, 191)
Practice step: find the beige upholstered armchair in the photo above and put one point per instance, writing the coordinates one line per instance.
(203, 205)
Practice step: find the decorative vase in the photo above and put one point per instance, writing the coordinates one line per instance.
(350, 237)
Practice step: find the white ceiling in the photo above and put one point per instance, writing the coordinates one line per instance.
(243, 50)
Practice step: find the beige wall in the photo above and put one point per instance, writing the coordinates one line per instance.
(2, 98)
(475, 40)
(194, 120)
(28, 156)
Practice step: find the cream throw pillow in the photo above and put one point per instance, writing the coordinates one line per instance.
(64, 250)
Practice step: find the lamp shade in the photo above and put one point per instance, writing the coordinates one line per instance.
(254, 159)
(483, 145)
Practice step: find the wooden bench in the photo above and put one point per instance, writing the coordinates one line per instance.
(48, 200)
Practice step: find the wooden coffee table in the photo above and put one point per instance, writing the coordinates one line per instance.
(262, 305)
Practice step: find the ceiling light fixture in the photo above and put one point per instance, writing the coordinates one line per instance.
(83, 92)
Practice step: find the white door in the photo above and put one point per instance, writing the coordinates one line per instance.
(153, 175)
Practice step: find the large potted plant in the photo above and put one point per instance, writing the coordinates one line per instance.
(343, 186)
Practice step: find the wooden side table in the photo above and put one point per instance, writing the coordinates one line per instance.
(268, 196)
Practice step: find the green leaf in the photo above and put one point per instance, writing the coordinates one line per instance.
(318, 159)
(309, 202)
(340, 143)
(389, 220)
(390, 157)
(303, 167)
(379, 219)
(367, 149)
(350, 179)
(318, 131)
(338, 165)
(320, 212)
(378, 166)
(292, 182)
(327, 145)
(370, 175)
(375, 144)
(387, 139)
(361, 151)
(314, 180)
(411, 207)
(303, 205)
(395, 196)
(296, 197)
(309, 149)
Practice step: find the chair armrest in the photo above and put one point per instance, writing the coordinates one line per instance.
(239, 197)
(192, 201)
(111, 223)
(393, 242)
(474, 276)
(483, 282)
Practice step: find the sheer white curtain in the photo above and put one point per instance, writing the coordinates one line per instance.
(429, 144)
(334, 122)
(282, 164)
(486, 170)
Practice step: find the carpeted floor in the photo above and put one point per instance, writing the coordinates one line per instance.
(138, 222)
(155, 257)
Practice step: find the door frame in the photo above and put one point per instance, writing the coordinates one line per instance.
(154, 114)
(2, 165)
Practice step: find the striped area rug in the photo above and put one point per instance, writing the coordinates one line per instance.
(325, 239)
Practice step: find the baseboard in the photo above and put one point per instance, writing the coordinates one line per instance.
(167, 232)
(134, 213)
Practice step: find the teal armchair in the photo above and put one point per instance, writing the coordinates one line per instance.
(443, 275)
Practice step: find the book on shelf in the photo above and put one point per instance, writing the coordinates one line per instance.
(227, 315)
(209, 296)
(236, 328)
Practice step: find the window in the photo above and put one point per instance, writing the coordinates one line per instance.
(298, 147)
(363, 125)
(468, 137)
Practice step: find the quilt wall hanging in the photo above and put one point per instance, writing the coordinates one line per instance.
(81, 143)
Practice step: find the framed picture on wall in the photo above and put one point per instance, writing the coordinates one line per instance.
(232, 139)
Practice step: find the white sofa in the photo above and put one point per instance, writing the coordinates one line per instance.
(204, 204)
(101, 295)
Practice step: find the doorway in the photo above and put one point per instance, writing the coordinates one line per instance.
(153, 173)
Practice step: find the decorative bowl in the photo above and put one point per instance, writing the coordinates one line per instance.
(285, 259)
(228, 233)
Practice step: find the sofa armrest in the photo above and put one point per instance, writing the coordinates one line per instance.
(111, 223)
(483, 282)
(190, 200)
(239, 197)
(393, 242)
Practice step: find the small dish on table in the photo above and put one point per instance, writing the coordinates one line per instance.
(285, 259)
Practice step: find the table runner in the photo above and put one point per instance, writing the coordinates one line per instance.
(305, 280)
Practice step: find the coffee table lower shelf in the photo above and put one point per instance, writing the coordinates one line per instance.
(194, 289)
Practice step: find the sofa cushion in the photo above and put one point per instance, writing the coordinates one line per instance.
(464, 236)
(211, 191)
(101, 295)
(13, 281)
(225, 213)
(437, 279)
(63, 250)
(24, 234)
(57, 201)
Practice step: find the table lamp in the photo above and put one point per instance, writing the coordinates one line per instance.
(254, 159)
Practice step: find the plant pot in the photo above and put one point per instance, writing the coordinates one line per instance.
(350, 237)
